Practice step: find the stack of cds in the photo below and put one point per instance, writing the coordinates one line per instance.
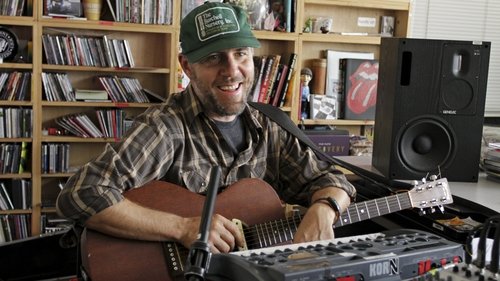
(491, 160)
(490, 151)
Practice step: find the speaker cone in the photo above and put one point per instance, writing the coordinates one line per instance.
(425, 145)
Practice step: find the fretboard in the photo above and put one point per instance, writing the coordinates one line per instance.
(374, 208)
(272, 233)
(281, 231)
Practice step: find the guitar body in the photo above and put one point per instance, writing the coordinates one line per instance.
(108, 258)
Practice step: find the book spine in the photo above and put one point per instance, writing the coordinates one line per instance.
(281, 82)
(265, 79)
(272, 78)
(258, 81)
(291, 69)
(288, 15)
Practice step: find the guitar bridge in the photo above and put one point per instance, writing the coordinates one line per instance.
(174, 259)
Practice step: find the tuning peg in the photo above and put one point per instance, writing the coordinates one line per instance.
(424, 180)
(433, 177)
(441, 208)
(414, 182)
(422, 212)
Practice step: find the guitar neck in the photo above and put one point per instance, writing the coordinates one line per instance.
(374, 208)
(424, 195)
(280, 231)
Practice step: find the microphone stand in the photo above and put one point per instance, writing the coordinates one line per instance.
(199, 255)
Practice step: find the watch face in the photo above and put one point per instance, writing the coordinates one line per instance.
(8, 44)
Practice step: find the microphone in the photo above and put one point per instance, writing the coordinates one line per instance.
(199, 255)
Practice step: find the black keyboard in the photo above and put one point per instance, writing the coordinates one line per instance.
(388, 255)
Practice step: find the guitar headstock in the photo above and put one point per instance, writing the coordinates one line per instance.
(430, 194)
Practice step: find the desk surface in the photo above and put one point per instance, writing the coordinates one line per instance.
(486, 191)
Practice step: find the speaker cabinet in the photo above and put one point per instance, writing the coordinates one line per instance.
(430, 108)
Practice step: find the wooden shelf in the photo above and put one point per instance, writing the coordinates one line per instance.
(106, 69)
(338, 122)
(77, 139)
(402, 5)
(337, 38)
(95, 104)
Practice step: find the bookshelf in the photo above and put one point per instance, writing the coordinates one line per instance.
(346, 17)
(155, 49)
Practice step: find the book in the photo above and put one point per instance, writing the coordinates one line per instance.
(287, 97)
(154, 96)
(260, 64)
(85, 94)
(264, 84)
(288, 15)
(111, 9)
(360, 78)
(292, 61)
(6, 197)
(333, 74)
(280, 82)
(23, 158)
(271, 79)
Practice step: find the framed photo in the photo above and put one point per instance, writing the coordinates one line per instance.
(323, 107)
(69, 8)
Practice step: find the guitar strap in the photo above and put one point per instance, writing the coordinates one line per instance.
(282, 119)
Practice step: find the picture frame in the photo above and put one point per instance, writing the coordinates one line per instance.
(64, 8)
(323, 107)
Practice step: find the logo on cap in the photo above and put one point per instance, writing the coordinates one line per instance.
(215, 22)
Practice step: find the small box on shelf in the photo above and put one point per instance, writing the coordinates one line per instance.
(332, 142)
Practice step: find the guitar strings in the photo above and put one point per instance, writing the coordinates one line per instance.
(282, 231)
(270, 233)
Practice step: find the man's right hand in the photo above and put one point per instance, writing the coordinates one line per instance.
(223, 236)
(130, 220)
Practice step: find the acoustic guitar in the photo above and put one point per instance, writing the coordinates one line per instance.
(252, 201)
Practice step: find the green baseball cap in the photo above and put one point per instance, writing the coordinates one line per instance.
(212, 27)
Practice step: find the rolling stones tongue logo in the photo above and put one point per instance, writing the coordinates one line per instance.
(363, 92)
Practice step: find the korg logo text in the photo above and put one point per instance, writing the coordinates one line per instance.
(449, 112)
(384, 268)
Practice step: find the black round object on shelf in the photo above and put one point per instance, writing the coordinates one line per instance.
(8, 44)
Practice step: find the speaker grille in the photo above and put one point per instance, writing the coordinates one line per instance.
(425, 144)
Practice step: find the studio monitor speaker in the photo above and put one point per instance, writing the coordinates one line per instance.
(430, 108)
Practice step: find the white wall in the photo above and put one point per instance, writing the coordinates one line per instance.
(468, 20)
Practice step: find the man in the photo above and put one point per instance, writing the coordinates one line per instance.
(208, 125)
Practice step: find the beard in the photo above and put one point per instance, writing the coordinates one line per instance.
(222, 105)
